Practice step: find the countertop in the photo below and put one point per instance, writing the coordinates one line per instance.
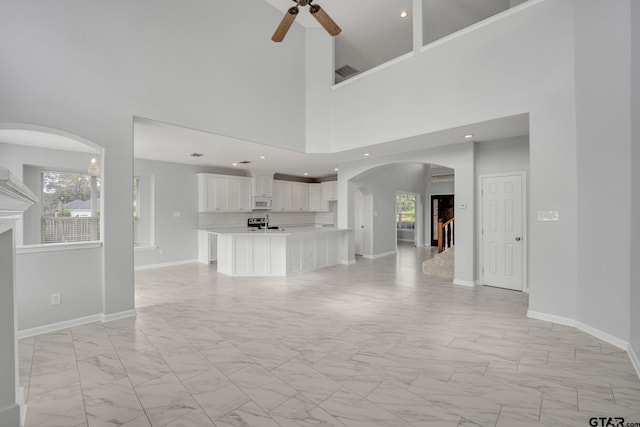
(285, 231)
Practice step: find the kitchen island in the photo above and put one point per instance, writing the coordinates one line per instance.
(241, 252)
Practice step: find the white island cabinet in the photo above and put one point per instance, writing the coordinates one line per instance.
(274, 253)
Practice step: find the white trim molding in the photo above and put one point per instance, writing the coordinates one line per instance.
(348, 262)
(23, 405)
(117, 316)
(380, 255)
(551, 318)
(615, 341)
(635, 360)
(468, 284)
(54, 247)
(165, 264)
(53, 327)
(597, 333)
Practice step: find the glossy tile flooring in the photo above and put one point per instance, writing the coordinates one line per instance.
(372, 344)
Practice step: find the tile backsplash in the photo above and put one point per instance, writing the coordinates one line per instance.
(283, 219)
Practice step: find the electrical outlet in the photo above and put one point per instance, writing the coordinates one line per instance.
(55, 299)
(176, 214)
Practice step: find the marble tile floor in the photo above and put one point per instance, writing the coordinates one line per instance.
(372, 344)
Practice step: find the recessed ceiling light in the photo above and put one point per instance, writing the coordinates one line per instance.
(336, 169)
(306, 173)
(263, 157)
(367, 154)
(469, 135)
(403, 14)
(234, 164)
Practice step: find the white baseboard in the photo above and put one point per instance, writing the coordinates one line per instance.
(635, 360)
(348, 262)
(464, 283)
(380, 255)
(165, 264)
(601, 335)
(615, 341)
(23, 406)
(551, 318)
(26, 333)
(39, 330)
(117, 316)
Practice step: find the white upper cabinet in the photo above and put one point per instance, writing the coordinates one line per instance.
(290, 196)
(299, 196)
(262, 184)
(281, 196)
(223, 193)
(316, 204)
(329, 191)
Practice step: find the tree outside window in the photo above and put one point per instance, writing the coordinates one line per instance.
(406, 211)
(70, 207)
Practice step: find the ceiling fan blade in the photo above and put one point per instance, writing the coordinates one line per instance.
(285, 24)
(324, 20)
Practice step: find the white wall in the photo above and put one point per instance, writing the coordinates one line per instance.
(74, 273)
(175, 190)
(634, 301)
(604, 144)
(382, 184)
(88, 68)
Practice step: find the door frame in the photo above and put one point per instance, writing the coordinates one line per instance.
(525, 225)
(431, 197)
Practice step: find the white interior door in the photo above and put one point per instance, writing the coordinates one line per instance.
(358, 222)
(502, 231)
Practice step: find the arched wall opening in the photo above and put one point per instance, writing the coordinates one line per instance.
(57, 284)
(458, 157)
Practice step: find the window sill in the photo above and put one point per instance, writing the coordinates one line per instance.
(55, 247)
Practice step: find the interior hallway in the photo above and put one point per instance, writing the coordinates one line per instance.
(372, 344)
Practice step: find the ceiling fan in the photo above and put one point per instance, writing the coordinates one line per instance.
(315, 10)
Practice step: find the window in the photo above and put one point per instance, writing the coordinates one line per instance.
(405, 211)
(70, 207)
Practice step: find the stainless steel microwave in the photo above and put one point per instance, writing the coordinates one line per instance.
(262, 203)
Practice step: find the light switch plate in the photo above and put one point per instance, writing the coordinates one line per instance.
(176, 214)
(548, 215)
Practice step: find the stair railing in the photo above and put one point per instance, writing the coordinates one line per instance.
(445, 235)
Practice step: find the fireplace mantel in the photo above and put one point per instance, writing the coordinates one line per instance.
(15, 198)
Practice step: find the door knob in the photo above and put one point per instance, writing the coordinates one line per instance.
(362, 226)
(518, 239)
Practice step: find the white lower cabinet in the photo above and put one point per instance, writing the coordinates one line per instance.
(322, 250)
(273, 254)
(294, 249)
(252, 255)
